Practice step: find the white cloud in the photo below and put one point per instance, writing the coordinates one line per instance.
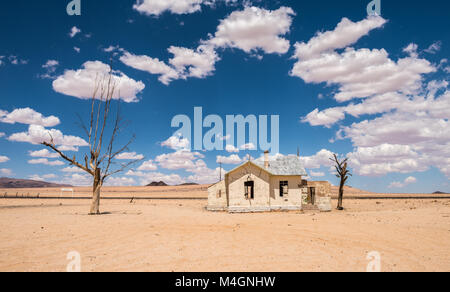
(44, 153)
(204, 175)
(74, 31)
(322, 158)
(346, 33)
(3, 159)
(49, 176)
(2, 134)
(45, 161)
(251, 30)
(254, 29)
(399, 128)
(50, 67)
(152, 66)
(42, 178)
(411, 134)
(38, 134)
(325, 118)
(81, 83)
(157, 7)
(222, 138)
(129, 156)
(185, 63)
(77, 49)
(120, 181)
(68, 148)
(386, 103)
(182, 159)
(36, 177)
(405, 128)
(358, 73)
(51, 64)
(176, 143)
(148, 166)
(148, 177)
(5, 171)
(232, 159)
(14, 60)
(411, 49)
(73, 169)
(383, 159)
(316, 174)
(76, 179)
(231, 149)
(198, 63)
(434, 48)
(249, 146)
(407, 181)
(427, 139)
(111, 49)
(28, 116)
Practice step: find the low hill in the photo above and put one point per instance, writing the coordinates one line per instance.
(13, 183)
(189, 184)
(157, 184)
(439, 193)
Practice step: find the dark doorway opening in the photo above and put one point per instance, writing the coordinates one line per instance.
(284, 188)
(249, 190)
(312, 196)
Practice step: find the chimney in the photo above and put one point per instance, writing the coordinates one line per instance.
(266, 159)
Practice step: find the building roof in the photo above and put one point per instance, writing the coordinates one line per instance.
(283, 165)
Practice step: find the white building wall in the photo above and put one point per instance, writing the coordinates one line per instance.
(236, 190)
(292, 200)
(217, 197)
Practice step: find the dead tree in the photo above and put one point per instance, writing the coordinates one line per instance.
(342, 173)
(100, 162)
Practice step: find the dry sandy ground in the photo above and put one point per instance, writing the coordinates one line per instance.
(196, 191)
(170, 235)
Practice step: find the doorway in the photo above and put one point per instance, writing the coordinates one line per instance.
(312, 196)
(249, 190)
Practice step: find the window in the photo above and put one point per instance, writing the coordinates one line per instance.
(249, 190)
(219, 194)
(284, 188)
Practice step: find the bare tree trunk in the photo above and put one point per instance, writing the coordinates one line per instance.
(95, 205)
(341, 195)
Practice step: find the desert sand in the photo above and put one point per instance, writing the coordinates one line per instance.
(180, 235)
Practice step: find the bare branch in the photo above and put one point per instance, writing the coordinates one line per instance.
(65, 157)
(123, 167)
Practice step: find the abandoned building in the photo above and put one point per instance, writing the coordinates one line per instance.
(266, 185)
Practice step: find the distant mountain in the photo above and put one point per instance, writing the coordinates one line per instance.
(13, 183)
(189, 184)
(157, 184)
(439, 193)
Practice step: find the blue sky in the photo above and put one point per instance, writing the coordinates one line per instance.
(370, 88)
